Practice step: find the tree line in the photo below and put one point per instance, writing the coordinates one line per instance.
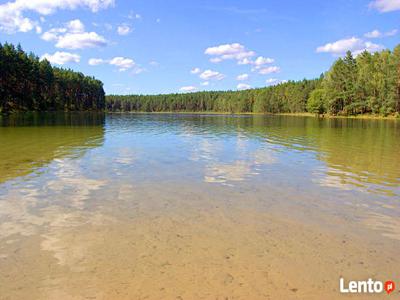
(366, 84)
(30, 84)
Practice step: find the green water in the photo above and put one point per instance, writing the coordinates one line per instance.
(361, 155)
(124, 206)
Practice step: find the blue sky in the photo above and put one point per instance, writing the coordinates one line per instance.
(151, 47)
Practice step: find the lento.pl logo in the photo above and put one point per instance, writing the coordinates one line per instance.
(369, 286)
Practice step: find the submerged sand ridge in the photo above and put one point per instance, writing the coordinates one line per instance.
(155, 244)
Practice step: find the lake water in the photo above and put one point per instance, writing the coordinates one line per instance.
(179, 206)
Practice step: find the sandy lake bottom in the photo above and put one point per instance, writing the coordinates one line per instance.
(198, 207)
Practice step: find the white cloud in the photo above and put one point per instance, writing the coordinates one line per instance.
(369, 47)
(138, 70)
(12, 20)
(385, 5)
(73, 36)
(205, 83)
(373, 34)
(353, 44)
(38, 29)
(61, 58)
(242, 77)
(271, 81)
(228, 51)
(124, 29)
(12, 17)
(274, 81)
(81, 40)
(269, 70)
(75, 26)
(188, 89)
(341, 46)
(260, 61)
(133, 16)
(216, 60)
(96, 61)
(243, 86)
(122, 63)
(377, 34)
(52, 34)
(245, 61)
(154, 63)
(391, 32)
(211, 75)
(195, 71)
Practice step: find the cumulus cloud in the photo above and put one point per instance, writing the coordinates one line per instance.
(274, 81)
(269, 70)
(12, 16)
(73, 36)
(242, 77)
(243, 86)
(122, 63)
(260, 61)
(81, 40)
(228, 51)
(377, 34)
(195, 71)
(373, 34)
(123, 29)
(96, 61)
(61, 58)
(75, 26)
(259, 65)
(245, 61)
(188, 89)
(205, 83)
(385, 5)
(211, 75)
(52, 34)
(353, 44)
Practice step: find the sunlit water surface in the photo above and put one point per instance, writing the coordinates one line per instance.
(168, 206)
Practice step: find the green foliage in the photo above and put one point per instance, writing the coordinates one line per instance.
(285, 97)
(315, 103)
(28, 84)
(369, 83)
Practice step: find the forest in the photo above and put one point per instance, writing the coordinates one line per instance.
(30, 84)
(366, 84)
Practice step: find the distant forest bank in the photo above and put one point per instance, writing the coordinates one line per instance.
(30, 84)
(368, 84)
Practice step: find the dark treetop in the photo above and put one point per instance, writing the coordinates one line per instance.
(28, 84)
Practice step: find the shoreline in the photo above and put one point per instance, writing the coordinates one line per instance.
(301, 114)
(304, 114)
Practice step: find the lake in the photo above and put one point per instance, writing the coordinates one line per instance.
(181, 206)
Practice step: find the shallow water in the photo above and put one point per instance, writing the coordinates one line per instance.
(167, 206)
